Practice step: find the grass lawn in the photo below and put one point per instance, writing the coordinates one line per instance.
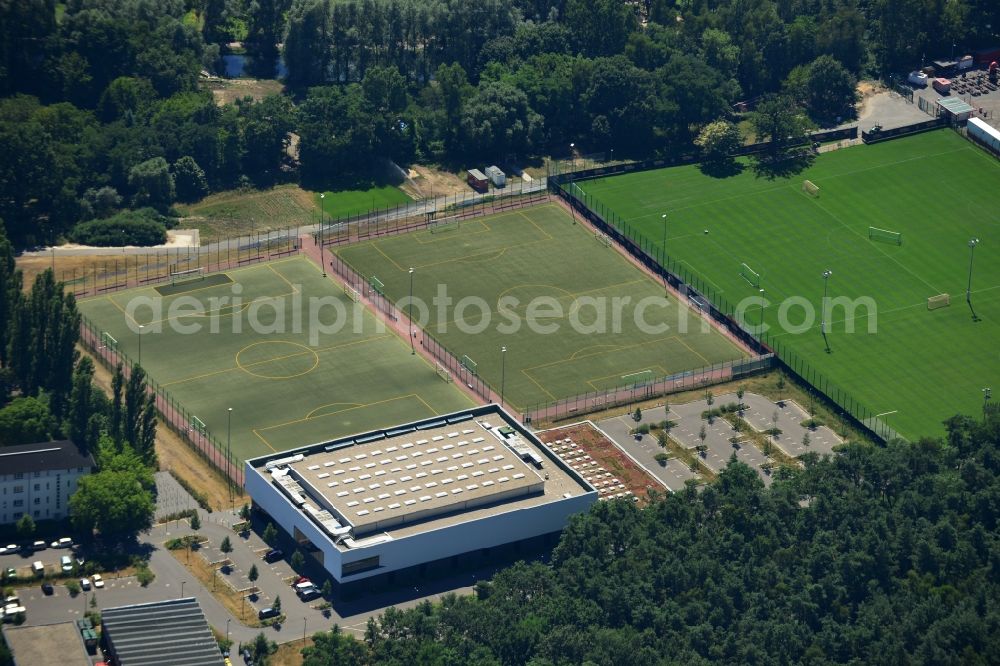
(352, 202)
(286, 389)
(493, 267)
(918, 367)
(238, 212)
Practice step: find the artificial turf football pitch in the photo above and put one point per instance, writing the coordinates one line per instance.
(920, 366)
(286, 389)
(533, 281)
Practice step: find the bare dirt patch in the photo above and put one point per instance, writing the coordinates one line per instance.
(227, 91)
(65, 266)
(177, 456)
(239, 212)
(609, 456)
(426, 182)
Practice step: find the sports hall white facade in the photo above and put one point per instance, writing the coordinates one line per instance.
(401, 497)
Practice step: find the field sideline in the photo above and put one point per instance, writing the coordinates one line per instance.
(919, 367)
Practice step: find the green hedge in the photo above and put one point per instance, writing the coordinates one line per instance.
(142, 227)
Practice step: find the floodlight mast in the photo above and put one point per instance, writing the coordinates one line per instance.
(663, 251)
(826, 281)
(973, 242)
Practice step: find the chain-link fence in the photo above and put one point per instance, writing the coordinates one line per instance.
(629, 394)
(708, 299)
(185, 424)
(144, 268)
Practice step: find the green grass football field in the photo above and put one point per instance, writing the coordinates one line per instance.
(352, 202)
(937, 189)
(286, 389)
(495, 267)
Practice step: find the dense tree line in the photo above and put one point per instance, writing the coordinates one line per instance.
(885, 554)
(101, 109)
(47, 392)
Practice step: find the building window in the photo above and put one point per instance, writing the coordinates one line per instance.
(18, 514)
(38, 514)
(38, 487)
(38, 500)
(361, 565)
(18, 503)
(18, 489)
(19, 475)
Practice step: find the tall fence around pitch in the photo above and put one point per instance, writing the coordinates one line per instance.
(427, 213)
(404, 325)
(185, 424)
(136, 267)
(632, 393)
(710, 301)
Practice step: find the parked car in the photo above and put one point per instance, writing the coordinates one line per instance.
(47, 588)
(64, 542)
(273, 555)
(11, 573)
(85, 584)
(265, 613)
(38, 568)
(66, 563)
(12, 548)
(39, 545)
(308, 593)
(98, 580)
(3, 550)
(300, 580)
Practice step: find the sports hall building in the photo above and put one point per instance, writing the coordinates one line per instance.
(387, 504)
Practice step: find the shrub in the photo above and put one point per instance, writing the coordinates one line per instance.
(144, 576)
(642, 429)
(73, 588)
(137, 227)
(198, 496)
(812, 423)
(662, 458)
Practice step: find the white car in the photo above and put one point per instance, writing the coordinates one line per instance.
(97, 580)
(85, 584)
(65, 542)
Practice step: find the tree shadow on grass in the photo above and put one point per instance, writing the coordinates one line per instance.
(783, 165)
(721, 168)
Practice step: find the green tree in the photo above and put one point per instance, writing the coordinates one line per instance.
(114, 503)
(498, 121)
(718, 140)
(297, 560)
(26, 526)
(152, 184)
(306, 47)
(195, 521)
(189, 180)
(226, 546)
(277, 605)
(264, 28)
(245, 512)
(831, 89)
(10, 291)
(253, 574)
(600, 27)
(84, 405)
(25, 421)
(637, 414)
(327, 589)
(270, 534)
(779, 121)
(334, 647)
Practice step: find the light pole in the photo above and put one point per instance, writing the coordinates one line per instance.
(322, 261)
(182, 588)
(572, 153)
(663, 252)
(973, 242)
(228, 620)
(141, 326)
(612, 155)
(409, 313)
(229, 450)
(303, 630)
(826, 283)
(987, 394)
(503, 371)
(762, 310)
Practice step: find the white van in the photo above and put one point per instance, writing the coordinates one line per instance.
(66, 562)
(38, 568)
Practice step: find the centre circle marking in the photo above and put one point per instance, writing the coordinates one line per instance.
(303, 348)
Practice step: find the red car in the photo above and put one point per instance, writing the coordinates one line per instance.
(301, 579)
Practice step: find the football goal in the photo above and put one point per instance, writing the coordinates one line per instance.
(187, 275)
(445, 224)
(108, 340)
(810, 188)
(352, 293)
(443, 373)
(469, 364)
(885, 236)
(198, 425)
(750, 275)
(637, 378)
(603, 238)
(377, 285)
(939, 301)
(576, 191)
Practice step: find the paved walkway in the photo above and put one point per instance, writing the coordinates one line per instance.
(173, 580)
